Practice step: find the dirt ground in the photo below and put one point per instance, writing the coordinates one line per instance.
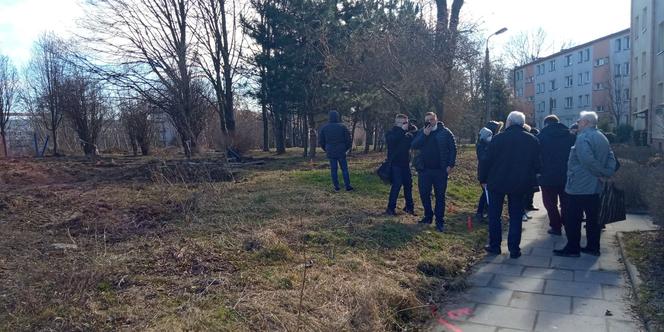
(150, 244)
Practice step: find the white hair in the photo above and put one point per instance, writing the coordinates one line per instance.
(589, 116)
(516, 118)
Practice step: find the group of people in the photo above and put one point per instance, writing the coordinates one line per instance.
(568, 164)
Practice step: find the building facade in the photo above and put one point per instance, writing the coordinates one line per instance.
(647, 56)
(591, 76)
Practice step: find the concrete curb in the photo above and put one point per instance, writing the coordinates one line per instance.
(635, 279)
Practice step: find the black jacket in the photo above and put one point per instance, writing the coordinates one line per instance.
(555, 144)
(447, 149)
(398, 146)
(482, 151)
(334, 138)
(514, 159)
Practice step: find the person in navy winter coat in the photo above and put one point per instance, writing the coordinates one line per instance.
(556, 141)
(436, 158)
(398, 152)
(510, 170)
(334, 139)
(487, 132)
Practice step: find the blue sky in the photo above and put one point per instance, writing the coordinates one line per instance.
(579, 21)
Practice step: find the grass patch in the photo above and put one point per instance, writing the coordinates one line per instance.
(646, 250)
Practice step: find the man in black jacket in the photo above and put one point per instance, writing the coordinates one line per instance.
(509, 171)
(556, 140)
(334, 139)
(398, 152)
(435, 161)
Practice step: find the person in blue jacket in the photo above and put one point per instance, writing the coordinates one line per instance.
(334, 139)
(436, 159)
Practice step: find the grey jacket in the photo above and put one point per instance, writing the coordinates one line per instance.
(589, 159)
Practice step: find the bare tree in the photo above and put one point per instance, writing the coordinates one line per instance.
(445, 49)
(8, 90)
(135, 117)
(152, 51)
(219, 58)
(617, 98)
(44, 77)
(525, 46)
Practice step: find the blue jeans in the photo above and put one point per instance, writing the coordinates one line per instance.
(401, 177)
(515, 209)
(436, 179)
(334, 163)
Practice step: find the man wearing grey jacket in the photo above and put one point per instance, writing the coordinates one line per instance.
(590, 160)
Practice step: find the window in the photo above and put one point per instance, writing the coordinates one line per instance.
(540, 87)
(580, 103)
(617, 95)
(636, 26)
(600, 86)
(643, 63)
(540, 69)
(600, 109)
(625, 69)
(552, 104)
(569, 102)
(587, 57)
(587, 100)
(552, 65)
(636, 104)
(568, 60)
(519, 92)
(530, 79)
(627, 43)
(643, 102)
(531, 99)
(636, 65)
(643, 23)
(586, 77)
(660, 92)
(627, 94)
(541, 106)
(569, 81)
(601, 62)
(552, 85)
(618, 43)
(616, 70)
(580, 56)
(579, 80)
(519, 75)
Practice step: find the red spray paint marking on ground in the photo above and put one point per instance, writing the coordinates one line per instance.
(469, 223)
(453, 314)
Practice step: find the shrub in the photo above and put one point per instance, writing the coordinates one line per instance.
(631, 179)
(624, 133)
(655, 194)
(611, 137)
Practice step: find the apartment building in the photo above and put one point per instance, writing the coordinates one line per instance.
(591, 76)
(647, 84)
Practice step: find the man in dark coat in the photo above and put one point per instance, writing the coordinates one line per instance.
(509, 171)
(436, 158)
(556, 140)
(334, 139)
(530, 197)
(487, 132)
(398, 152)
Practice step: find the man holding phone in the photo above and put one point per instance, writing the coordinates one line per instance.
(436, 158)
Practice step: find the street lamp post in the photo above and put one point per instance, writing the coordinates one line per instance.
(487, 77)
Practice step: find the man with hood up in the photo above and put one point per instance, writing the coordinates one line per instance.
(334, 139)
(436, 158)
(482, 149)
(556, 141)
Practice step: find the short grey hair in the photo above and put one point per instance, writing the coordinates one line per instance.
(516, 118)
(589, 116)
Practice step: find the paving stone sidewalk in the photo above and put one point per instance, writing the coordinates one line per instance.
(542, 292)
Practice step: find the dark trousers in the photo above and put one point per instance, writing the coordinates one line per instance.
(515, 209)
(436, 179)
(401, 177)
(528, 202)
(481, 205)
(334, 163)
(576, 206)
(551, 195)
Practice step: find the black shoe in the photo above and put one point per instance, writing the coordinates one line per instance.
(515, 255)
(390, 212)
(532, 208)
(350, 188)
(479, 217)
(425, 220)
(410, 211)
(440, 227)
(336, 189)
(565, 253)
(491, 251)
(585, 250)
(555, 232)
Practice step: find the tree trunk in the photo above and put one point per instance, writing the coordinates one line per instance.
(55, 141)
(4, 143)
(313, 137)
(279, 134)
(304, 134)
(368, 131)
(266, 128)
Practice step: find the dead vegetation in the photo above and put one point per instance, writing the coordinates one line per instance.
(111, 247)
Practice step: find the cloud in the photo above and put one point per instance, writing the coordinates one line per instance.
(24, 20)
